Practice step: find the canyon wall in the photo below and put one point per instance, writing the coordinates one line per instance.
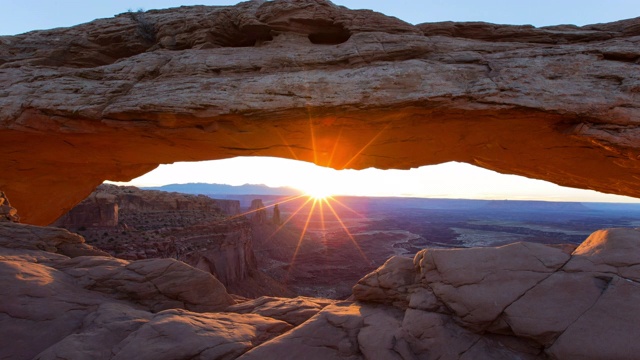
(309, 80)
(99, 209)
(229, 207)
(135, 224)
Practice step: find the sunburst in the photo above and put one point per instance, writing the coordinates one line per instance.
(316, 205)
(319, 193)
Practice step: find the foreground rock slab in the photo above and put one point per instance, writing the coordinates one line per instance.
(529, 299)
(519, 301)
(309, 80)
(48, 296)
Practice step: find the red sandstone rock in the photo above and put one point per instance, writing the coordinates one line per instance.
(100, 209)
(478, 284)
(389, 284)
(608, 329)
(156, 224)
(610, 251)
(7, 212)
(180, 334)
(555, 103)
(156, 284)
(141, 224)
(309, 80)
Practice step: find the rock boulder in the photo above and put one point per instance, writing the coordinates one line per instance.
(533, 300)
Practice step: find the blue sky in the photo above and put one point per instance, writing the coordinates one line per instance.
(18, 16)
(448, 180)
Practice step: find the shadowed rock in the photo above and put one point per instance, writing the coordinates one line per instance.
(528, 298)
(275, 219)
(61, 241)
(317, 82)
(526, 301)
(7, 212)
(257, 212)
(84, 305)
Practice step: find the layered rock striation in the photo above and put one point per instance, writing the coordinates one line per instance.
(100, 209)
(135, 224)
(257, 212)
(129, 207)
(309, 80)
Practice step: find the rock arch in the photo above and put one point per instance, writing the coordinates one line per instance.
(105, 100)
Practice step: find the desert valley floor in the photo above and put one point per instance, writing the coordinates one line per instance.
(323, 248)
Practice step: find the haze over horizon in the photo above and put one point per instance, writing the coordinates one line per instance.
(450, 180)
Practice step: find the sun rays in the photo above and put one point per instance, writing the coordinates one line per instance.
(316, 210)
(320, 193)
(317, 213)
(318, 222)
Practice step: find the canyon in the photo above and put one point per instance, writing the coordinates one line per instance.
(208, 234)
(522, 300)
(308, 80)
(289, 245)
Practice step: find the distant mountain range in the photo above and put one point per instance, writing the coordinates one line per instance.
(227, 191)
(222, 189)
(531, 205)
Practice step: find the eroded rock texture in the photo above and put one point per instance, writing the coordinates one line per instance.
(529, 299)
(312, 81)
(65, 299)
(134, 224)
(79, 307)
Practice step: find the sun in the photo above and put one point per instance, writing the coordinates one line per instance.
(318, 192)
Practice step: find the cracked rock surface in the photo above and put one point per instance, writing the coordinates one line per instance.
(528, 299)
(309, 80)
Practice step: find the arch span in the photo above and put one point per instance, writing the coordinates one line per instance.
(106, 100)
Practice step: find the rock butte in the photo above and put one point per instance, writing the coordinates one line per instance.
(308, 80)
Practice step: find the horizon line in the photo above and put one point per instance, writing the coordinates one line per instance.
(405, 196)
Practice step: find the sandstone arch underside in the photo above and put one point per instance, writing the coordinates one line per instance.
(312, 81)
